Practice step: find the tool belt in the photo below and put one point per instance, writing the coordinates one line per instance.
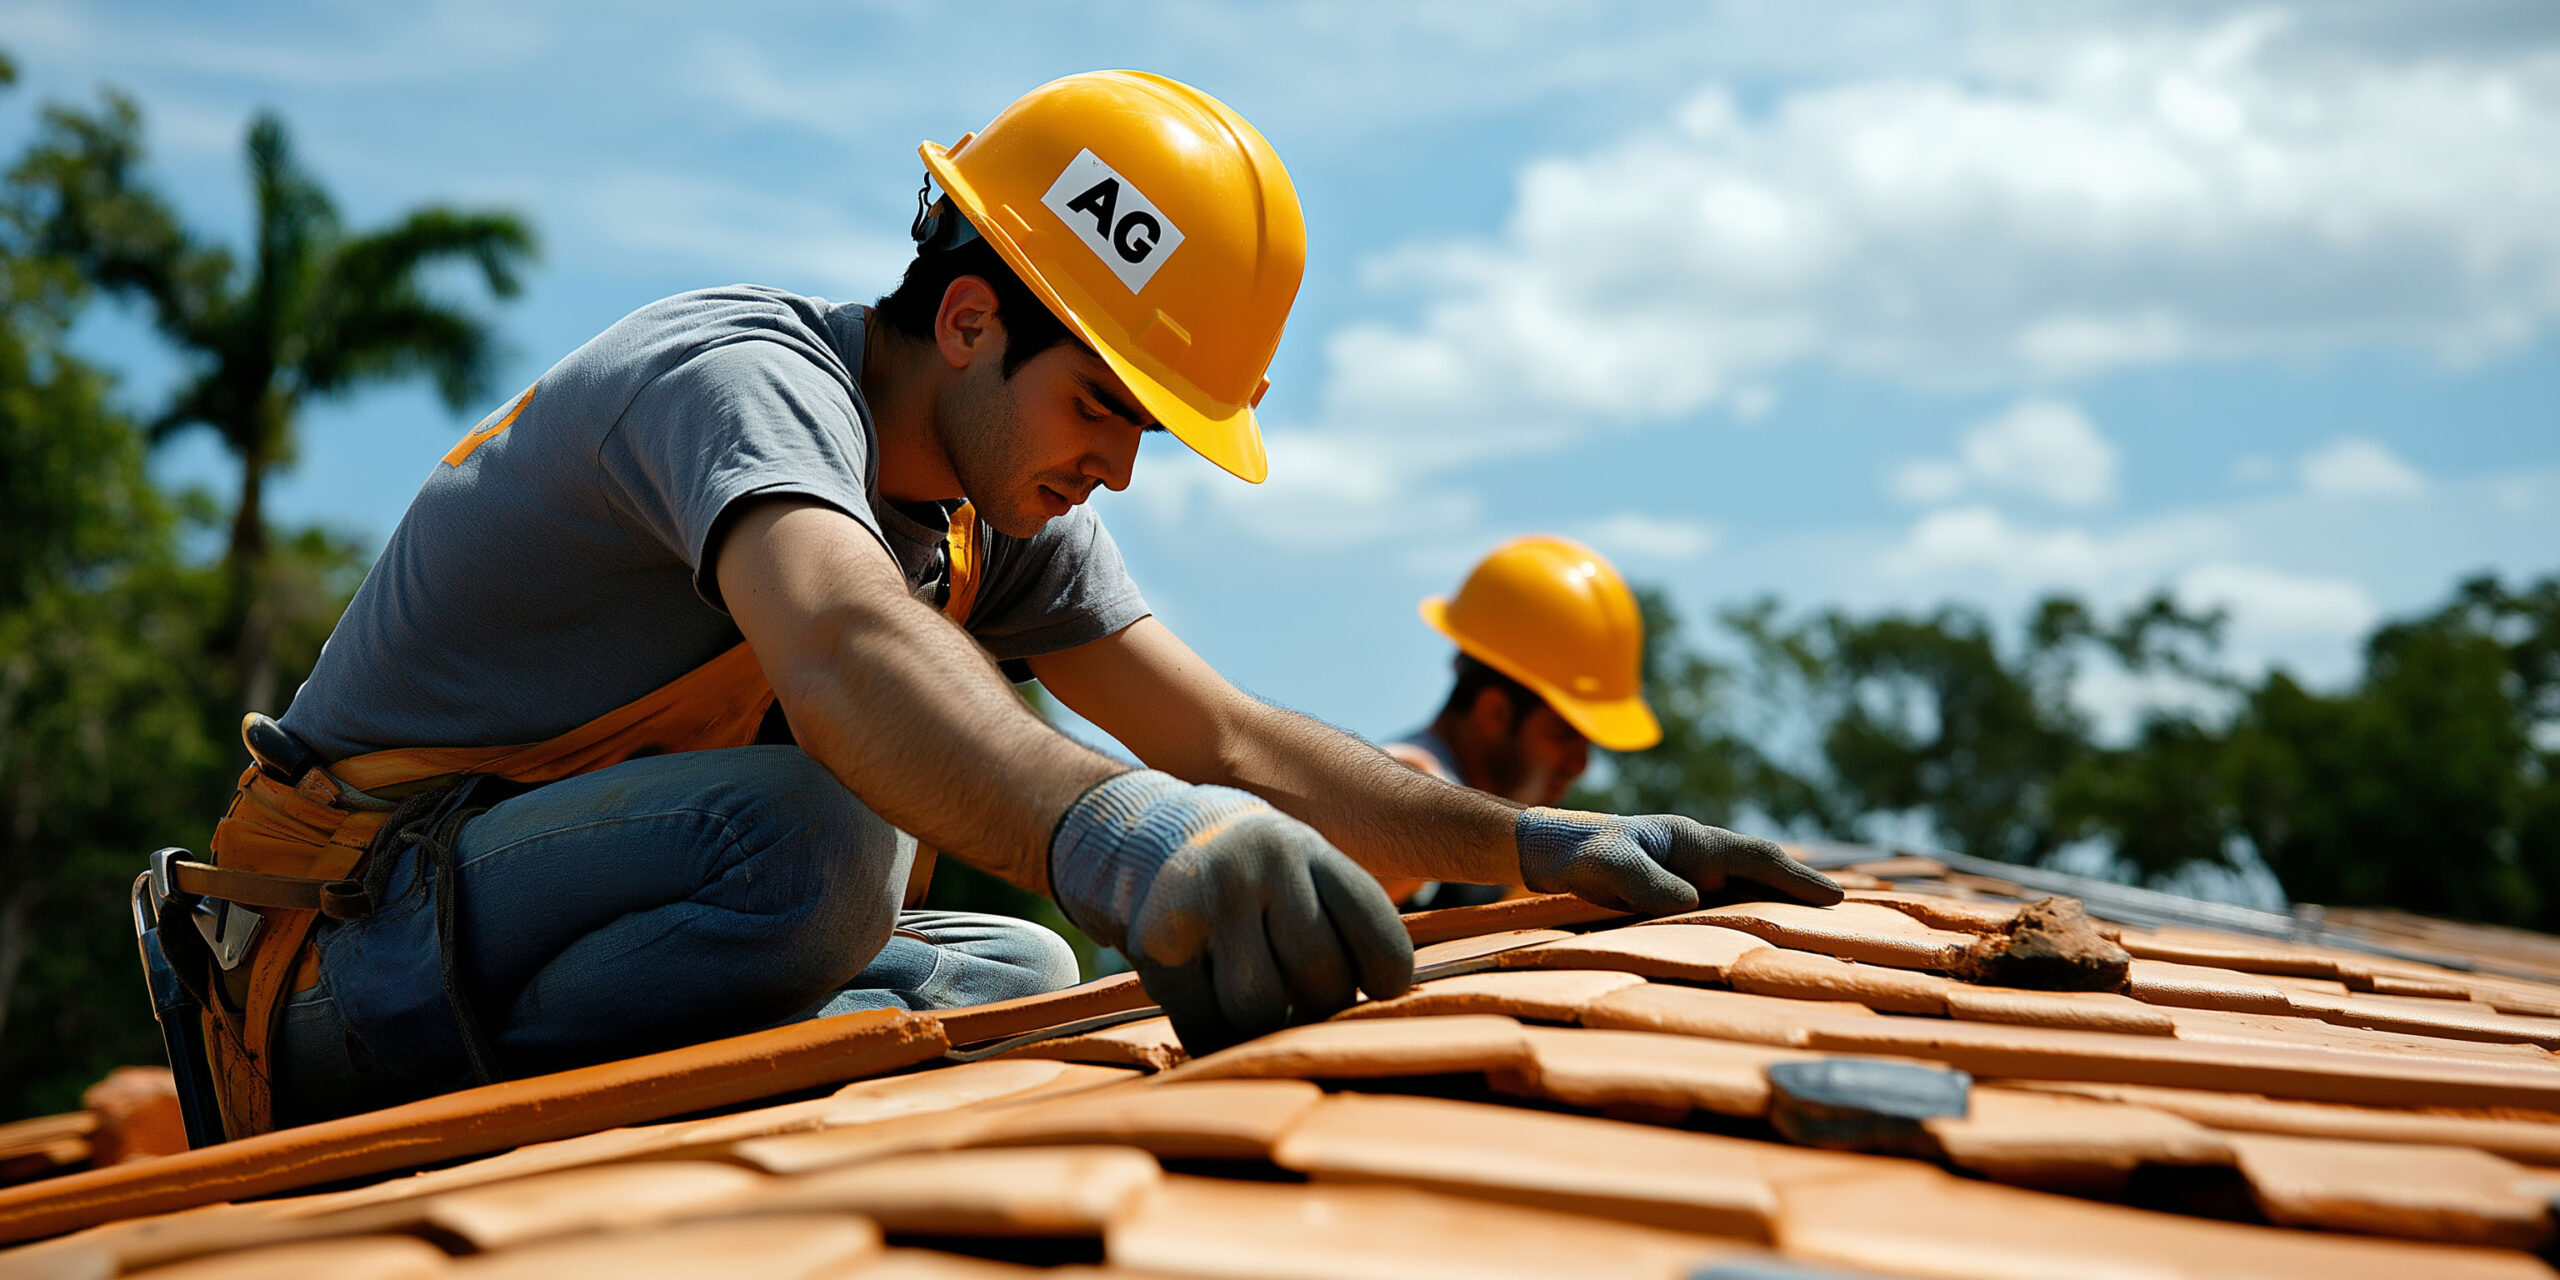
(304, 842)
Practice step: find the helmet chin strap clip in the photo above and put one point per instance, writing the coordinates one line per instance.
(939, 226)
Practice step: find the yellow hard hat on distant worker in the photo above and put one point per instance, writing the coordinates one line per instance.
(1554, 615)
(1159, 226)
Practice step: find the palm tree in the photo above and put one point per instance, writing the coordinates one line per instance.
(317, 312)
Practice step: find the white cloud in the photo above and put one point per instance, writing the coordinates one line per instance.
(2254, 469)
(2129, 199)
(2275, 612)
(1928, 481)
(747, 233)
(2353, 467)
(1966, 543)
(1637, 535)
(2048, 200)
(2043, 447)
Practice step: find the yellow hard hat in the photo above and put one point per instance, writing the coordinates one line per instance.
(1554, 615)
(1159, 226)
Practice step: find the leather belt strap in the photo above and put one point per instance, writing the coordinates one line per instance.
(336, 899)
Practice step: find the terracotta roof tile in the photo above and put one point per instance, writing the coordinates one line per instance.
(2300, 1030)
(1923, 1224)
(1799, 975)
(1261, 1231)
(2527, 1141)
(1667, 1076)
(2371, 1094)
(855, 1144)
(2455, 1020)
(2427, 1193)
(2317, 1074)
(1852, 931)
(929, 1264)
(1548, 995)
(1906, 867)
(1371, 1049)
(800, 1245)
(1148, 1044)
(862, 1102)
(1461, 950)
(363, 1258)
(720, 1073)
(2415, 983)
(2227, 951)
(2510, 995)
(1632, 1173)
(1724, 1015)
(1685, 952)
(1209, 1119)
(1115, 994)
(2192, 986)
(1549, 911)
(591, 1199)
(1939, 911)
(1002, 1191)
(2070, 1010)
(2060, 1142)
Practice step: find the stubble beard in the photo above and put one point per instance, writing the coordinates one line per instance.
(981, 428)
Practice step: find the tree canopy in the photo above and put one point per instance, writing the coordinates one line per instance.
(2428, 783)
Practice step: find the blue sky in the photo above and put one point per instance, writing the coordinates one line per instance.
(1857, 304)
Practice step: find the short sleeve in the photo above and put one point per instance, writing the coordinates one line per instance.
(1057, 589)
(747, 418)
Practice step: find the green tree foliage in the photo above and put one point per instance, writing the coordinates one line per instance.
(2432, 781)
(102, 736)
(310, 311)
(115, 718)
(2428, 784)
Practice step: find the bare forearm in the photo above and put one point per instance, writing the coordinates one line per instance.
(1391, 819)
(916, 721)
(899, 704)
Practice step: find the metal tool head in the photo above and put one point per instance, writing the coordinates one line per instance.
(164, 876)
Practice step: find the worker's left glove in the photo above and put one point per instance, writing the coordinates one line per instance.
(1238, 918)
(1655, 865)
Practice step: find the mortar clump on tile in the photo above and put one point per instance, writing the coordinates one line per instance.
(2049, 946)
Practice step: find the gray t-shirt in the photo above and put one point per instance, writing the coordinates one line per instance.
(557, 563)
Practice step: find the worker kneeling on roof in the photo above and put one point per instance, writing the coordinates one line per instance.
(632, 732)
(1550, 660)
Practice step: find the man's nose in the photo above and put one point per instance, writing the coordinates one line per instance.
(1114, 464)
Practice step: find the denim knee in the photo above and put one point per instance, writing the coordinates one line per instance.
(847, 865)
(1039, 960)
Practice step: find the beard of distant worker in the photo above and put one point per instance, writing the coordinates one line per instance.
(1508, 741)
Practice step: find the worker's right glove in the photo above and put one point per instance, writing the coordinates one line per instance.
(1238, 918)
(1655, 865)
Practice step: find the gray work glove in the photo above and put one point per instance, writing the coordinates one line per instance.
(1239, 919)
(1655, 865)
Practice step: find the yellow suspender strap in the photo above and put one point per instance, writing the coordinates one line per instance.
(968, 549)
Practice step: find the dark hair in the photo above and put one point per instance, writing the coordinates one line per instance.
(1474, 677)
(1029, 328)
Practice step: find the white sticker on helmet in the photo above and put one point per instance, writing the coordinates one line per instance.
(1114, 219)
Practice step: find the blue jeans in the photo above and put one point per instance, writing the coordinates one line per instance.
(658, 903)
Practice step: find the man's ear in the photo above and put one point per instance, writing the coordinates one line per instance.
(966, 328)
(1493, 714)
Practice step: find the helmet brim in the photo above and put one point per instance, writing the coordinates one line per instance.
(1227, 435)
(1612, 724)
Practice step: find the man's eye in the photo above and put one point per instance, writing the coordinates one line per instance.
(1089, 413)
